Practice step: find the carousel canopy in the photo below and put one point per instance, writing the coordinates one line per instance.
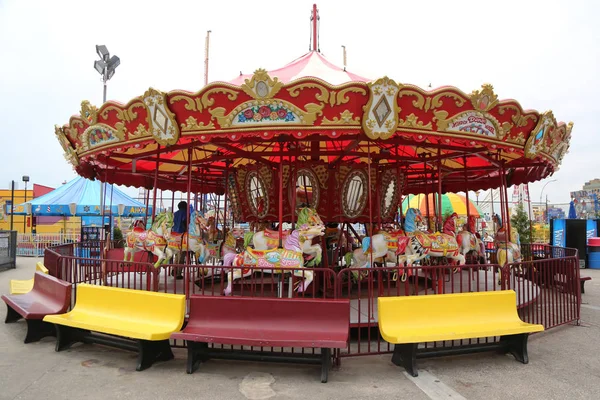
(81, 197)
(314, 119)
(312, 64)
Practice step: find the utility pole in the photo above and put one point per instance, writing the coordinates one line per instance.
(206, 46)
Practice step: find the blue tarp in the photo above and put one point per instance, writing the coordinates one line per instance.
(85, 194)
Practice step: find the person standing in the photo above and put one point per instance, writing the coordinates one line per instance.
(180, 226)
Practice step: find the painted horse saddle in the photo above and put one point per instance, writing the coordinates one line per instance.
(275, 234)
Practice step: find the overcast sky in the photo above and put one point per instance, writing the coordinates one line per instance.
(545, 54)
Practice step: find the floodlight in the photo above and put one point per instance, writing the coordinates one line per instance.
(109, 73)
(102, 52)
(114, 62)
(99, 66)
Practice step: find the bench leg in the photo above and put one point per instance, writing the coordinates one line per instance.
(11, 315)
(517, 346)
(37, 329)
(325, 364)
(66, 336)
(151, 351)
(197, 354)
(582, 286)
(405, 355)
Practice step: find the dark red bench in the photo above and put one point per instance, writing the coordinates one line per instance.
(582, 281)
(49, 295)
(265, 322)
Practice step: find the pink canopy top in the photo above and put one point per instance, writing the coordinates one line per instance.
(311, 64)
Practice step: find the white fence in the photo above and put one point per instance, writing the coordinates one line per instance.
(34, 245)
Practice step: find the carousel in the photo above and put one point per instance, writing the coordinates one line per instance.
(316, 147)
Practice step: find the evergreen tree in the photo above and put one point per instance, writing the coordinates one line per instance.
(520, 221)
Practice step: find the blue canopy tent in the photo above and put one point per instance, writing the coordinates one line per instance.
(81, 197)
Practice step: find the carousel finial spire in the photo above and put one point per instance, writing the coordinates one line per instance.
(315, 34)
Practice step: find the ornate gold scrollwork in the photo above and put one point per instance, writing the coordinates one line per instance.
(484, 100)
(261, 85)
(419, 102)
(127, 115)
(345, 118)
(70, 153)
(193, 104)
(191, 124)
(323, 96)
(412, 121)
(89, 113)
(436, 101)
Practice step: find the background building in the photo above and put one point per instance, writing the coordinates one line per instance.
(29, 224)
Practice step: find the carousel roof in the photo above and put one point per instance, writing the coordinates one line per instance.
(312, 64)
(311, 111)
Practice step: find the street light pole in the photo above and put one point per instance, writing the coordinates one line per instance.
(25, 179)
(541, 193)
(12, 203)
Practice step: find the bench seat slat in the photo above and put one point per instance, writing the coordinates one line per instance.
(134, 329)
(263, 337)
(456, 332)
(135, 314)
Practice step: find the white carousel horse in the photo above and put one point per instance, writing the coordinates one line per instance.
(307, 218)
(424, 244)
(383, 245)
(189, 241)
(288, 257)
(507, 251)
(154, 240)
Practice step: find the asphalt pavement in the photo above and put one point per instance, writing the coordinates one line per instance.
(564, 364)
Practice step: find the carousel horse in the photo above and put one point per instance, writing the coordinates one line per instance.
(467, 241)
(424, 244)
(189, 241)
(214, 233)
(386, 246)
(307, 218)
(154, 240)
(507, 251)
(289, 257)
(229, 249)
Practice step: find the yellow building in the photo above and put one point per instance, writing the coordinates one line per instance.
(29, 224)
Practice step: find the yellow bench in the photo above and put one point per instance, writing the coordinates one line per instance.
(410, 320)
(25, 286)
(138, 320)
